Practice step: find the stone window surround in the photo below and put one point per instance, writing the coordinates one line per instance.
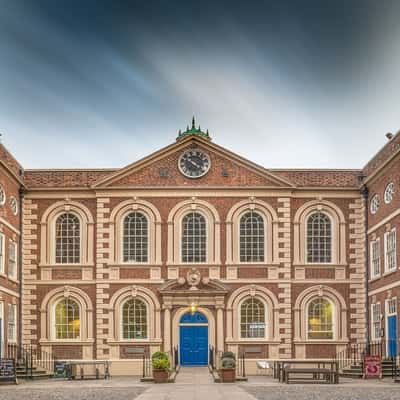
(300, 319)
(175, 231)
(338, 233)
(376, 241)
(47, 316)
(116, 231)
(389, 230)
(270, 218)
(271, 309)
(47, 233)
(2, 253)
(115, 314)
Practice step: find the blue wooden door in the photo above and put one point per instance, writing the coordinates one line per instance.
(392, 336)
(194, 345)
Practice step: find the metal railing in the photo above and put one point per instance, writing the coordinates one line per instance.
(146, 364)
(211, 358)
(354, 353)
(241, 364)
(30, 357)
(175, 358)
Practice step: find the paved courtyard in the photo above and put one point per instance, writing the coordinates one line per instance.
(197, 384)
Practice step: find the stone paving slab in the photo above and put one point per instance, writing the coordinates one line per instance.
(323, 392)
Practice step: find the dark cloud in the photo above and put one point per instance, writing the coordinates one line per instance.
(285, 83)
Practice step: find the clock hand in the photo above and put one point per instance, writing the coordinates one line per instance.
(193, 163)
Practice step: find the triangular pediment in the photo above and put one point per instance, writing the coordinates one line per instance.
(160, 169)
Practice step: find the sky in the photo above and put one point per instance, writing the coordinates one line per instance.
(286, 84)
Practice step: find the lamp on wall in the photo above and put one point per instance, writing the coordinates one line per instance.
(193, 308)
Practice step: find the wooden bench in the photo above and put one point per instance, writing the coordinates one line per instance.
(280, 368)
(309, 375)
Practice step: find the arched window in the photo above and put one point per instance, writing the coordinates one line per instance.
(251, 237)
(68, 239)
(135, 238)
(194, 238)
(134, 319)
(252, 319)
(319, 238)
(320, 319)
(67, 319)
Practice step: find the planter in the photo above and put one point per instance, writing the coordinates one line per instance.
(228, 375)
(160, 376)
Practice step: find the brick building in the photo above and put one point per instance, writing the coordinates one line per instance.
(106, 263)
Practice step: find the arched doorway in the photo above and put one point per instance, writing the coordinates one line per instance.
(193, 333)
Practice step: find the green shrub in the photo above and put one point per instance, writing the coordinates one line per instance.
(161, 364)
(159, 355)
(228, 363)
(228, 354)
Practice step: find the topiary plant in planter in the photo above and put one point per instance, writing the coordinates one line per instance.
(228, 369)
(228, 354)
(161, 367)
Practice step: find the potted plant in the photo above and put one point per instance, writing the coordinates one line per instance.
(228, 367)
(161, 367)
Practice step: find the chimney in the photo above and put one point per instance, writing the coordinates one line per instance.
(389, 136)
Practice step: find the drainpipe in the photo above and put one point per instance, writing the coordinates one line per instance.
(21, 199)
(365, 193)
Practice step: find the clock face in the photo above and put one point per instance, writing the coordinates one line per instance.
(194, 163)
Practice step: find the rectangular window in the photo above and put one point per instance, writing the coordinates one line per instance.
(12, 260)
(391, 306)
(2, 248)
(376, 321)
(375, 258)
(12, 323)
(390, 251)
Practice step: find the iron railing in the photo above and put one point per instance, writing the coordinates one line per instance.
(146, 364)
(30, 357)
(241, 364)
(211, 358)
(354, 353)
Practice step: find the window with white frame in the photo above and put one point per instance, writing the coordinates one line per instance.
(252, 319)
(135, 238)
(374, 205)
(68, 237)
(389, 193)
(194, 238)
(375, 258)
(376, 321)
(12, 323)
(14, 205)
(391, 306)
(390, 250)
(319, 238)
(2, 196)
(2, 253)
(12, 260)
(251, 237)
(134, 319)
(320, 319)
(67, 319)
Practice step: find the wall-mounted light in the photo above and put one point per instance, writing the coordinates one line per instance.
(193, 308)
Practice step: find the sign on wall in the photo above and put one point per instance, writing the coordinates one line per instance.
(372, 367)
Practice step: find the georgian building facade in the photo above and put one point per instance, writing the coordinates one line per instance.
(271, 262)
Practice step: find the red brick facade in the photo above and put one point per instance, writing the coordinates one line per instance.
(285, 281)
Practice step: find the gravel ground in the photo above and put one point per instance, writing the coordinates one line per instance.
(13, 393)
(312, 392)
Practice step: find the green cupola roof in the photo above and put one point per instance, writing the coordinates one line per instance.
(193, 131)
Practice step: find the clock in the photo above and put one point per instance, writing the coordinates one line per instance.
(194, 163)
